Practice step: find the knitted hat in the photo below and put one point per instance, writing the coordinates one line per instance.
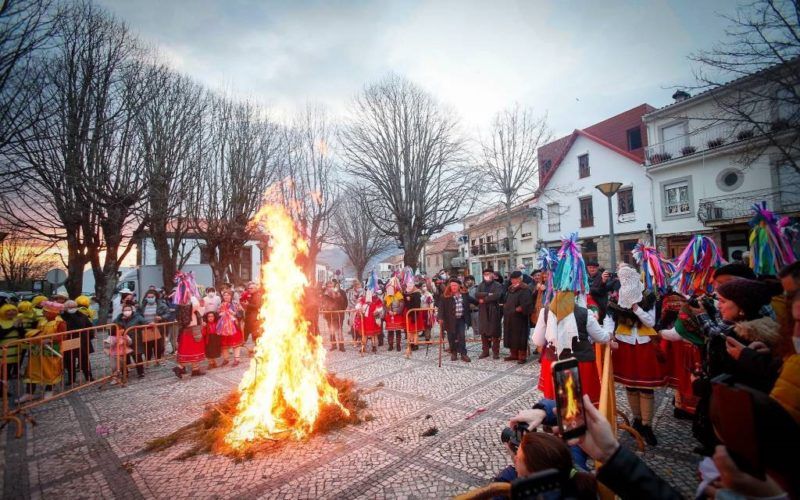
(735, 269)
(748, 295)
(53, 307)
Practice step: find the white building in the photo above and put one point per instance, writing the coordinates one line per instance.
(488, 241)
(569, 170)
(700, 182)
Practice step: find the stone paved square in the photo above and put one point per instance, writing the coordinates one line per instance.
(90, 445)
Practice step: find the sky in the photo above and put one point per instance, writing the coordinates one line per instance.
(578, 61)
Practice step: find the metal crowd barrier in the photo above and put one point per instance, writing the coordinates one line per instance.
(148, 344)
(42, 368)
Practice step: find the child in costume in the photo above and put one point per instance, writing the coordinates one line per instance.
(369, 314)
(45, 365)
(191, 348)
(394, 318)
(636, 352)
(564, 328)
(415, 321)
(227, 327)
(212, 340)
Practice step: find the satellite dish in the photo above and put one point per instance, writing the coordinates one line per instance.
(56, 276)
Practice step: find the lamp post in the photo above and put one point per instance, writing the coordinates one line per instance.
(609, 189)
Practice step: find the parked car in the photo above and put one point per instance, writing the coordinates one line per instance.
(6, 297)
(27, 295)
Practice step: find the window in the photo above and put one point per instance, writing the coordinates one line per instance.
(674, 138)
(546, 164)
(526, 235)
(730, 179)
(634, 138)
(626, 251)
(553, 218)
(583, 166)
(589, 250)
(625, 201)
(677, 197)
(587, 214)
(246, 264)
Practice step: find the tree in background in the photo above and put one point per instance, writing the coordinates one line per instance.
(510, 165)
(355, 234)
(404, 149)
(23, 260)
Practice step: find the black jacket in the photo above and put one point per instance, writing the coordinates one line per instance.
(490, 313)
(447, 310)
(627, 476)
(516, 325)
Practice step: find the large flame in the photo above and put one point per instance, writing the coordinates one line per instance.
(572, 398)
(286, 385)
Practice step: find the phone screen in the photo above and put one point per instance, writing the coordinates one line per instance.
(571, 414)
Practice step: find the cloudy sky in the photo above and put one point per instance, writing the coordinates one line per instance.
(581, 61)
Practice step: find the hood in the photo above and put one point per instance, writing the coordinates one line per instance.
(764, 329)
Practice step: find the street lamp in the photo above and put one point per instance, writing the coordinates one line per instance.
(609, 189)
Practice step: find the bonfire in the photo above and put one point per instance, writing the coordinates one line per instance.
(286, 392)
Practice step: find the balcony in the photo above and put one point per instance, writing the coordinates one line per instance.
(703, 139)
(553, 227)
(724, 209)
(478, 250)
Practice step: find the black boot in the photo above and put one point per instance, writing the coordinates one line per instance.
(496, 348)
(391, 341)
(399, 341)
(380, 339)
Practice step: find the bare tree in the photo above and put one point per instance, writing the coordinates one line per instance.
(510, 163)
(238, 164)
(761, 55)
(404, 148)
(25, 26)
(170, 130)
(79, 164)
(309, 183)
(355, 233)
(23, 260)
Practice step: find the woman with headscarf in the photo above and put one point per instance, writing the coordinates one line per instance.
(191, 348)
(227, 327)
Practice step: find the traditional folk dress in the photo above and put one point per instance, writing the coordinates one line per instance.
(191, 347)
(45, 365)
(636, 360)
(565, 329)
(367, 321)
(682, 357)
(227, 326)
(213, 342)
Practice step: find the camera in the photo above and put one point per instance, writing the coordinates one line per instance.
(514, 436)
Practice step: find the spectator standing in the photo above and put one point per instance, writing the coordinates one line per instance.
(489, 295)
(517, 309)
(76, 320)
(453, 309)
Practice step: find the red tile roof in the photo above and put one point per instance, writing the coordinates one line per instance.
(444, 243)
(611, 133)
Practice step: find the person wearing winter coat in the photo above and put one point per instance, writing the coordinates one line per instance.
(76, 320)
(489, 295)
(517, 309)
(129, 317)
(334, 299)
(154, 310)
(453, 309)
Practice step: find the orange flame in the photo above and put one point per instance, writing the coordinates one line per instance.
(285, 387)
(572, 400)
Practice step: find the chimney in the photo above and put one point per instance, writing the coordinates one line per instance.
(681, 95)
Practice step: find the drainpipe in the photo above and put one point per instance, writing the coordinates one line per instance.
(652, 208)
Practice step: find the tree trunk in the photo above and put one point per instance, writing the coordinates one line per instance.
(166, 256)
(512, 255)
(360, 272)
(76, 261)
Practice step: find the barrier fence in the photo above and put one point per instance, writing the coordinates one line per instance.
(43, 367)
(148, 345)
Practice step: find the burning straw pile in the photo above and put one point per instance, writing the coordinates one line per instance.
(287, 392)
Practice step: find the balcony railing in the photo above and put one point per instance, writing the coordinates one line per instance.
(553, 227)
(702, 139)
(738, 205)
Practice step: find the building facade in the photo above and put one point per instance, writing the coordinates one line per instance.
(705, 176)
(439, 254)
(571, 167)
(488, 243)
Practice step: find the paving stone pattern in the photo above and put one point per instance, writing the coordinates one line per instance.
(89, 445)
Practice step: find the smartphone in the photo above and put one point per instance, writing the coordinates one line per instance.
(541, 485)
(737, 429)
(569, 403)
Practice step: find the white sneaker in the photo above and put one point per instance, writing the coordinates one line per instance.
(48, 394)
(25, 398)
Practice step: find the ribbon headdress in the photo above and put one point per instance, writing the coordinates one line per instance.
(185, 288)
(770, 248)
(656, 270)
(571, 275)
(695, 266)
(548, 261)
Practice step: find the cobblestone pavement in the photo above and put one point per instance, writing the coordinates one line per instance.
(90, 445)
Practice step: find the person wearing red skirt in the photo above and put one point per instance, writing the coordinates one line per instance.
(636, 351)
(191, 347)
(367, 322)
(231, 335)
(414, 321)
(682, 357)
(563, 330)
